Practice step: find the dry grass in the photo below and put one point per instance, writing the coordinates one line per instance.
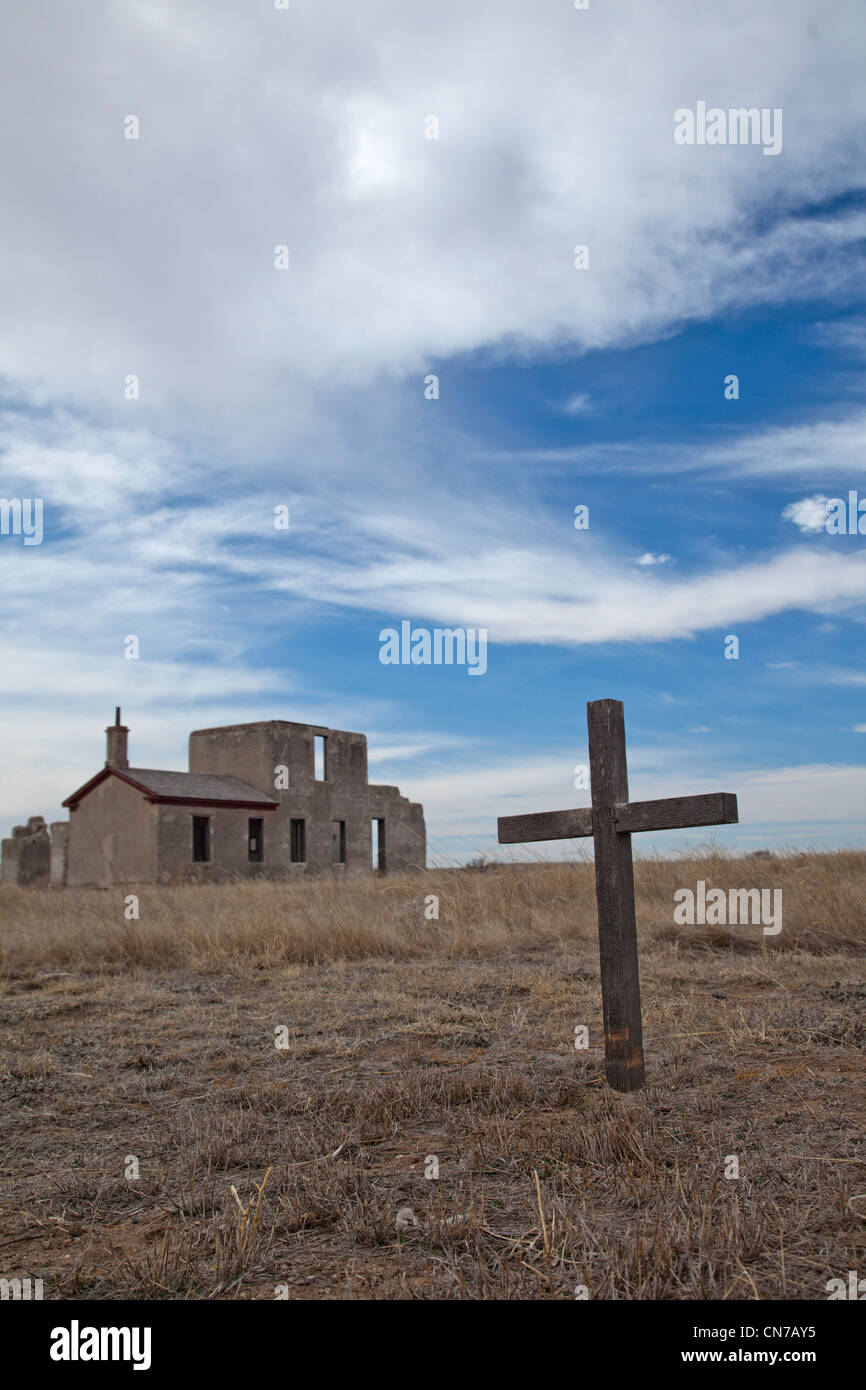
(480, 913)
(263, 1168)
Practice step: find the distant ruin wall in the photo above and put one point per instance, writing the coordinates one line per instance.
(59, 850)
(26, 855)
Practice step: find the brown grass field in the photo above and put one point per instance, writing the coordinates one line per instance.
(268, 1172)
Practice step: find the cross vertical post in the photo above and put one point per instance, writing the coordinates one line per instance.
(614, 882)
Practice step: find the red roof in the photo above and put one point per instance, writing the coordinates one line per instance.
(181, 789)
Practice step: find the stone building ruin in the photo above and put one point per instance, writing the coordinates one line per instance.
(268, 800)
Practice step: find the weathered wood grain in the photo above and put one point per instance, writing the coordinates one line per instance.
(614, 887)
(677, 812)
(548, 825)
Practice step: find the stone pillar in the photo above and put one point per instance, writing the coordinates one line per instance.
(10, 862)
(59, 840)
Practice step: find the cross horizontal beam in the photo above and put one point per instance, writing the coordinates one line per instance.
(677, 812)
(546, 825)
(669, 813)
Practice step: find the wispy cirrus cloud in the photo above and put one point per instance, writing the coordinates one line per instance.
(178, 563)
(579, 404)
(825, 449)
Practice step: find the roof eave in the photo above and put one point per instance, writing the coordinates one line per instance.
(233, 804)
(213, 801)
(72, 801)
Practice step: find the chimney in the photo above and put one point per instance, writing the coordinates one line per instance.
(116, 750)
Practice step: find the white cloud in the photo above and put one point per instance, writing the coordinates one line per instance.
(398, 752)
(462, 806)
(177, 585)
(834, 676)
(845, 335)
(810, 513)
(552, 595)
(581, 404)
(829, 449)
(306, 128)
(649, 559)
(826, 449)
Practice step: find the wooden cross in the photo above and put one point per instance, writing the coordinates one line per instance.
(611, 822)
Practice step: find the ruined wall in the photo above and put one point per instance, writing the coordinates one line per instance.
(112, 837)
(10, 863)
(229, 841)
(254, 752)
(59, 847)
(26, 855)
(405, 831)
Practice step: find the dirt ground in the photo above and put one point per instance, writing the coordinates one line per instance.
(248, 1093)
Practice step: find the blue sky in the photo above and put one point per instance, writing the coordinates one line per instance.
(557, 387)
